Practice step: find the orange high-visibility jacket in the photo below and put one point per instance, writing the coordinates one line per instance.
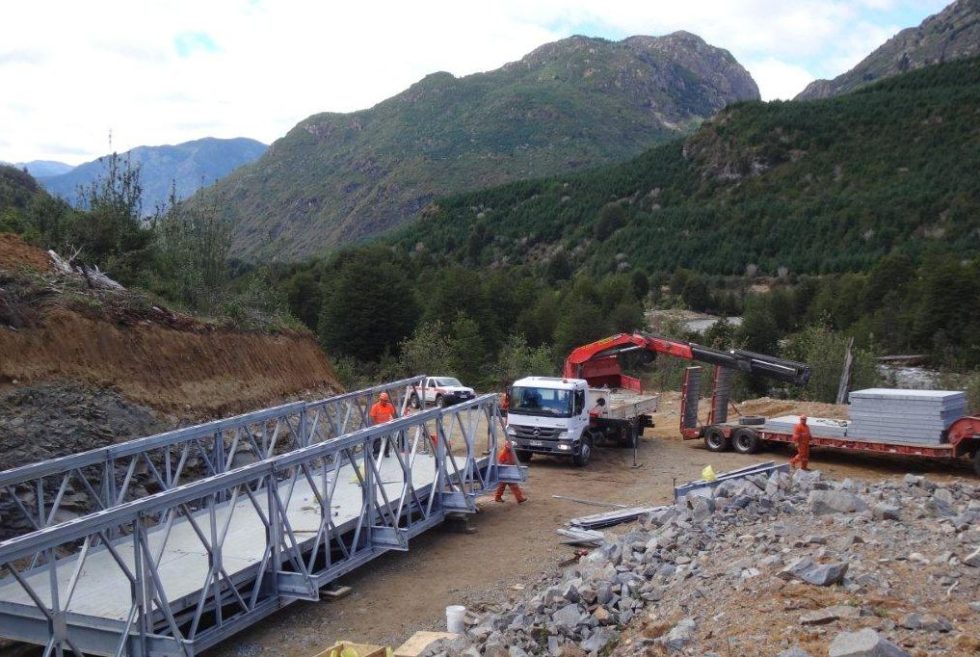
(800, 432)
(506, 456)
(382, 412)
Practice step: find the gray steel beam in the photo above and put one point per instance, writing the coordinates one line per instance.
(294, 565)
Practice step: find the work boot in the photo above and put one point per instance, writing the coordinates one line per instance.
(498, 499)
(522, 500)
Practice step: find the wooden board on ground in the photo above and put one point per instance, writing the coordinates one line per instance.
(362, 649)
(419, 642)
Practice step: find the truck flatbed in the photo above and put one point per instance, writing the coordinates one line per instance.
(624, 404)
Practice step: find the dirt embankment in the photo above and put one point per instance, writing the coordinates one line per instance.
(214, 372)
(151, 355)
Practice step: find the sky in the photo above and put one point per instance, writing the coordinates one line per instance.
(79, 79)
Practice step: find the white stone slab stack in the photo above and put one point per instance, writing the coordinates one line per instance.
(819, 427)
(897, 415)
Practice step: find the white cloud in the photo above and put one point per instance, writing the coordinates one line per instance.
(778, 80)
(73, 71)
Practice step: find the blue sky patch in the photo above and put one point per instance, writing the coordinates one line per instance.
(188, 43)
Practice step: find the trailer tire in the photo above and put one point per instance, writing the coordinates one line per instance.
(976, 462)
(746, 441)
(716, 441)
(751, 420)
(523, 456)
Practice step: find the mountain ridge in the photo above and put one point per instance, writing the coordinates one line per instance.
(187, 166)
(569, 105)
(953, 33)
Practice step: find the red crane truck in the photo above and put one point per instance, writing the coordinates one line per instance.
(592, 373)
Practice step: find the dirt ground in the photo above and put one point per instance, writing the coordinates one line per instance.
(513, 545)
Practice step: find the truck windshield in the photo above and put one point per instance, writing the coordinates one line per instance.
(541, 401)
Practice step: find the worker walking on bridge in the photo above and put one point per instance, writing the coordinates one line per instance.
(382, 411)
(801, 437)
(506, 456)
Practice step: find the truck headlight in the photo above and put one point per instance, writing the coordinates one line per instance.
(511, 431)
(562, 435)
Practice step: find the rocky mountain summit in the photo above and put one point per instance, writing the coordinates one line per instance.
(952, 34)
(785, 565)
(568, 105)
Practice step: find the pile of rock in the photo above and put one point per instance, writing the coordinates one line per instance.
(780, 565)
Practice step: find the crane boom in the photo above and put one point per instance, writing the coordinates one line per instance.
(598, 362)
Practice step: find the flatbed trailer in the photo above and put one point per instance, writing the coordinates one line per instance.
(750, 435)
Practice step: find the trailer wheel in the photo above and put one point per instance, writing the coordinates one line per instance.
(746, 441)
(751, 420)
(976, 462)
(716, 441)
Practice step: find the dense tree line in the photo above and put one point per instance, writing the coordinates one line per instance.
(177, 253)
(817, 187)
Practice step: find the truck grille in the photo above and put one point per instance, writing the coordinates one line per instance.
(536, 433)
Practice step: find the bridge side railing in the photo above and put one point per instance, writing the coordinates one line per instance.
(41, 494)
(297, 539)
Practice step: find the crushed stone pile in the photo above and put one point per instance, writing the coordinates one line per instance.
(786, 565)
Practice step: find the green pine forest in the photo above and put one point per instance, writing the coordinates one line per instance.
(859, 216)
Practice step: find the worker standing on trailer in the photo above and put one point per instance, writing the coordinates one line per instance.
(801, 437)
(382, 411)
(506, 456)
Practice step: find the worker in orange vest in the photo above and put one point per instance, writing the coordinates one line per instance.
(506, 456)
(801, 437)
(382, 411)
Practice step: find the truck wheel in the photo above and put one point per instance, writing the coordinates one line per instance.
(523, 456)
(584, 454)
(716, 441)
(976, 462)
(440, 401)
(413, 401)
(746, 441)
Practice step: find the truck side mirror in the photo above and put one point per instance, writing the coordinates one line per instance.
(579, 401)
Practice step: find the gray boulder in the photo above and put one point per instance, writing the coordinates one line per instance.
(864, 643)
(806, 570)
(835, 501)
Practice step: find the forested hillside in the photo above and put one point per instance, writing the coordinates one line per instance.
(577, 103)
(821, 186)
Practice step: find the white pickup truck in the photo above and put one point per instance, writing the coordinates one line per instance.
(564, 417)
(441, 391)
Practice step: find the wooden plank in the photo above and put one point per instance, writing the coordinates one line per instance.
(360, 650)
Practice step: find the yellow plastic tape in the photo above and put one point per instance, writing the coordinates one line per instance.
(708, 473)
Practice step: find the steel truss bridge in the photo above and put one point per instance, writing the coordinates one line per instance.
(178, 548)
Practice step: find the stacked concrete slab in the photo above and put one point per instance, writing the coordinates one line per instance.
(893, 414)
(819, 427)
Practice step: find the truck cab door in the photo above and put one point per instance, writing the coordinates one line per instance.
(580, 414)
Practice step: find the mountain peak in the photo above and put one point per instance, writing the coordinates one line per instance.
(568, 105)
(953, 33)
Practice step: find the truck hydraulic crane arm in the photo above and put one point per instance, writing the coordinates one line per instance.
(598, 362)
